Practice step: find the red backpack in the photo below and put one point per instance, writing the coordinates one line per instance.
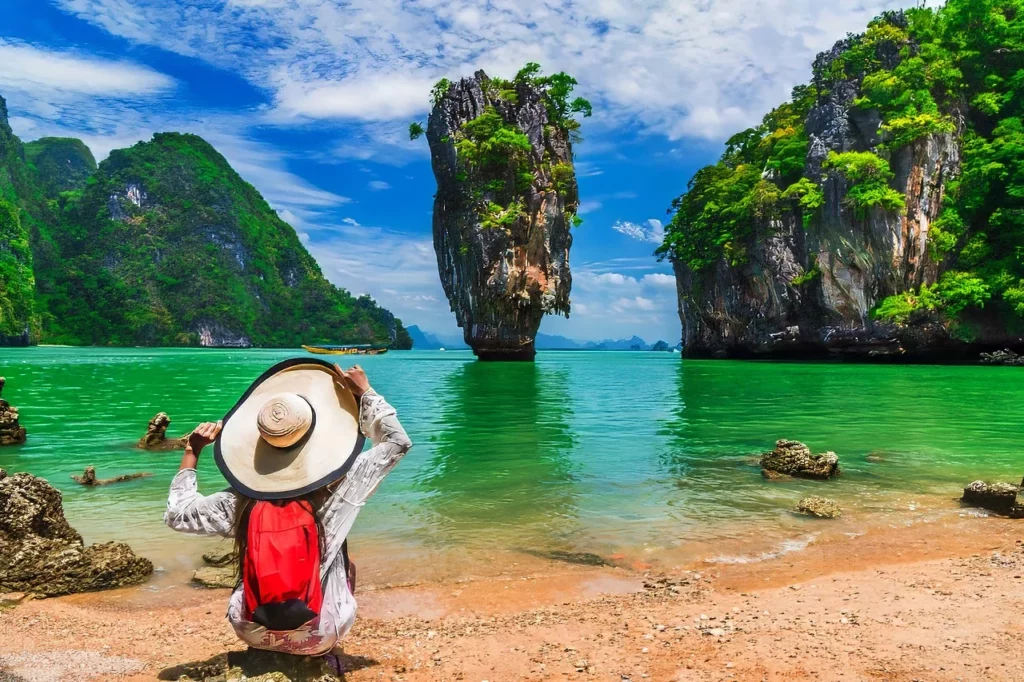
(281, 566)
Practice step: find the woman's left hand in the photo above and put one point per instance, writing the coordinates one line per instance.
(204, 434)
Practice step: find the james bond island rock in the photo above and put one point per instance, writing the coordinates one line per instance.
(793, 458)
(156, 435)
(41, 553)
(873, 216)
(506, 200)
(1001, 498)
(96, 254)
(11, 432)
(88, 477)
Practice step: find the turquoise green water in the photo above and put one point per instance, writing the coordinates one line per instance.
(639, 453)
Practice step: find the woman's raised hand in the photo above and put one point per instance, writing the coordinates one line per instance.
(204, 434)
(354, 380)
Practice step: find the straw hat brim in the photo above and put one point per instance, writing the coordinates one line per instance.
(261, 471)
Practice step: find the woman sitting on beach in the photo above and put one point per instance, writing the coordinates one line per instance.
(292, 451)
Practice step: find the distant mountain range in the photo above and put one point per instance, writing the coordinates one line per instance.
(423, 340)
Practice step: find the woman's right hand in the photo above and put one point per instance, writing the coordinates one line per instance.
(354, 380)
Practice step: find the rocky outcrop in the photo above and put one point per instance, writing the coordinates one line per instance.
(41, 553)
(220, 571)
(502, 247)
(11, 432)
(88, 477)
(819, 507)
(156, 435)
(793, 458)
(1001, 498)
(808, 290)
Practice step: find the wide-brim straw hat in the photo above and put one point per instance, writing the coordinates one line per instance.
(295, 430)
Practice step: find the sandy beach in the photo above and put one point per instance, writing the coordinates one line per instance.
(930, 601)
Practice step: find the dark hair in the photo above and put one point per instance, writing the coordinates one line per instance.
(243, 509)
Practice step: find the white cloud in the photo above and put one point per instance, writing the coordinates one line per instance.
(33, 70)
(378, 185)
(650, 231)
(681, 69)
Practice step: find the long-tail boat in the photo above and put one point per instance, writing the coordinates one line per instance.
(350, 349)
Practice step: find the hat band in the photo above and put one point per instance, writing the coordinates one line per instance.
(309, 430)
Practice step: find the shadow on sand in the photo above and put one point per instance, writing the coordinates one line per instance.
(254, 662)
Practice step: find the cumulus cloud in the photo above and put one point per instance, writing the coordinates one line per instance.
(680, 69)
(649, 231)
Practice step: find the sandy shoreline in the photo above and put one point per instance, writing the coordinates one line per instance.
(932, 601)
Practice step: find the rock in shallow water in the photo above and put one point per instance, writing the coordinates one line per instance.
(156, 435)
(1000, 498)
(793, 458)
(820, 507)
(11, 432)
(41, 553)
(215, 577)
(88, 477)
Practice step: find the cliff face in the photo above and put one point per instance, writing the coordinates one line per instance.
(61, 164)
(810, 277)
(17, 283)
(502, 221)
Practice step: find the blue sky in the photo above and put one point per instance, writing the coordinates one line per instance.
(310, 101)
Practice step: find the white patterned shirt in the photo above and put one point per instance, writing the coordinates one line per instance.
(190, 512)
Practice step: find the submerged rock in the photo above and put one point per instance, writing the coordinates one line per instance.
(156, 435)
(215, 577)
(11, 432)
(502, 217)
(1000, 498)
(793, 458)
(1003, 357)
(88, 477)
(821, 507)
(41, 553)
(254, 665)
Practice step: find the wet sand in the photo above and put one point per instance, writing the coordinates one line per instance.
(942, 600)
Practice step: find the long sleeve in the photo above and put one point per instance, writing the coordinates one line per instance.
(379, 422)
(190, 512)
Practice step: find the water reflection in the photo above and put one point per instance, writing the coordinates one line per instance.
(501, 463)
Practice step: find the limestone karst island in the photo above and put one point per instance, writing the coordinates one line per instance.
(626, 341)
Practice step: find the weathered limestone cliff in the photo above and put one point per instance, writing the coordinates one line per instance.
(809, 280)
(506, 199)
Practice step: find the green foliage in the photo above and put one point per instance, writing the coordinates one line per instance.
(869, 175)
(501, 217)
(17, 283)
(60, 164)
(807, 276)
(416, 130)
(439, 90)
(564, 177)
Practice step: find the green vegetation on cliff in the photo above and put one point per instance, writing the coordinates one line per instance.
(956, 69)
(495, 155)
(162, 244)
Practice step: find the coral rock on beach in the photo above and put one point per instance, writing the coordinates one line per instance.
(11, 432)
(88, 477)
(820, 507)
(1001, 498)
(795, 459)
(156, 435)
(42, 554)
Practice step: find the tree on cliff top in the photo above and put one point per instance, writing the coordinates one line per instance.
(922, 70)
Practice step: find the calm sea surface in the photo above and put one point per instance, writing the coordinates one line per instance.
(634, 453)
